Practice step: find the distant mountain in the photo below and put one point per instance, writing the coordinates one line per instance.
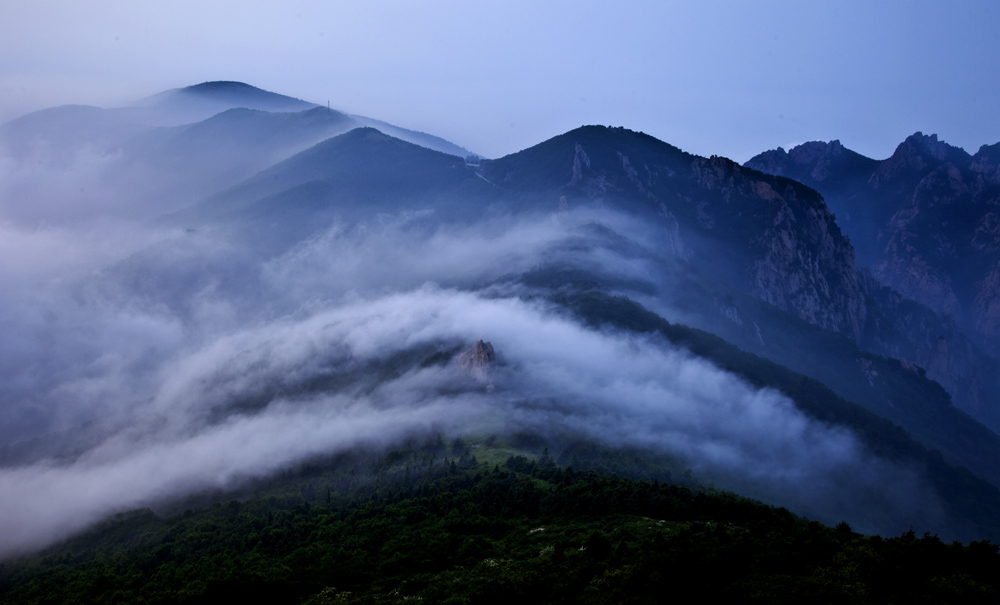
(192, 161)
(864, 193)
(54, 136)
(353, 175)
(169, 150)
(201, 101)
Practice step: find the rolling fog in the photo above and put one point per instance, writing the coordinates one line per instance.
(143, 363)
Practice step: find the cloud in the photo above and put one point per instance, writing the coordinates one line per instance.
(617, 388)
(145, 365)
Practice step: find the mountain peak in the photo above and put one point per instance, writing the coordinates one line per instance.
(239, 94)
(201, 101)
(929, 147)
(927, 144)
(217, 85)
(778, 161)
(809, 152)
(919, 153)
(813, 162)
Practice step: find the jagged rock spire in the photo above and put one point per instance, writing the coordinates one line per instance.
(480, 361)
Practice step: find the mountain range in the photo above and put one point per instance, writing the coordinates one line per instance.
(814, 328)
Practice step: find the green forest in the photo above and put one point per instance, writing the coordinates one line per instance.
(482, 523)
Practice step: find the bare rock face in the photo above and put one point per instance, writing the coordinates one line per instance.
(798, 259)
(986, 163)
(926, 222)
(480, 361)
(987, 304)
(807, 269)
(905, 268)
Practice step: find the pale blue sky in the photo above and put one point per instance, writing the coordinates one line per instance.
(726, 78)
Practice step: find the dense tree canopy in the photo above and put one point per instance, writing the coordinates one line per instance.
(437, 524)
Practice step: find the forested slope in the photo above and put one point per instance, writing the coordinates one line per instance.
(436, 524)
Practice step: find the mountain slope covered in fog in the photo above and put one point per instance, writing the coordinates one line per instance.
(310, 290)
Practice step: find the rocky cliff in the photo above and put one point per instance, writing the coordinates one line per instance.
(933, 211)
(926, 222)
(799, 260)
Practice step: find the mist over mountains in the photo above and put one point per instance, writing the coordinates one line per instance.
(220, 282)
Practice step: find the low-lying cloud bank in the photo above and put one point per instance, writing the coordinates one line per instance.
(132, 379)
(559, 376)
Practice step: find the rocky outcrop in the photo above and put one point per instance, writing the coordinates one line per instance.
(480, 361)
(926, 221)
(987, 304)
(986, 163)
(904, 268)
(913, 158)
(812, 161)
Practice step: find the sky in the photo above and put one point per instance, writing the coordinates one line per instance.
(724, 78)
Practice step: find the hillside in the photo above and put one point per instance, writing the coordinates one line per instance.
(411, 525)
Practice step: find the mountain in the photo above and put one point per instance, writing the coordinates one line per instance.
(347, 177)
(68, 128)
(164, 152)
(921, 217)
(202, 101)
(722, 249)
(54, 135)
(755, 258)
(777, 239)
(189, 162)
(921, 221)
(748, 251)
